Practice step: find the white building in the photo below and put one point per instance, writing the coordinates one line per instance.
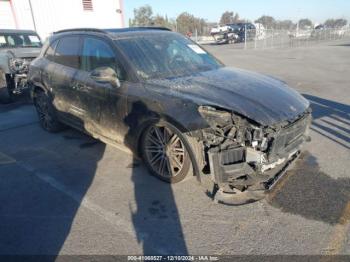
(47, 16)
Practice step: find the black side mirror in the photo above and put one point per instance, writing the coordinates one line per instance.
(105, 75)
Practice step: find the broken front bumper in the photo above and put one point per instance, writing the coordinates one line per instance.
(254, 185)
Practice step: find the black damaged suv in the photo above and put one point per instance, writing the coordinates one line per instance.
(174, 104)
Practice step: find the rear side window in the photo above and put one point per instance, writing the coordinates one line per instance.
(67, 51)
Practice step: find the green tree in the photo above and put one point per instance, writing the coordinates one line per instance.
(305, 23)
(229, 18)
(185, 23)
(189, 23)
(267, 21)
(162, 21)
(143, 16)
(159, 20)
(336, 23)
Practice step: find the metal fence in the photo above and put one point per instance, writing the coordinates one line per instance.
(265, 39)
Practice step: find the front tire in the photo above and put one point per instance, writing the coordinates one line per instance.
(46, 113)
(165, 151)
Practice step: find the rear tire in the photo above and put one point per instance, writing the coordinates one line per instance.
(5, 96)
(165, 151)
(46, 113)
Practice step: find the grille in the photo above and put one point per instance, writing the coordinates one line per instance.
(232, 156)
(289, 136)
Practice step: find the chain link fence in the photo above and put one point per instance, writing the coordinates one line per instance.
(270, 38)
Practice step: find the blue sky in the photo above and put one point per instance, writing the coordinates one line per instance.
(316, 10)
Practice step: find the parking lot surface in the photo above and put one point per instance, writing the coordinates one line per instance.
(67, 193)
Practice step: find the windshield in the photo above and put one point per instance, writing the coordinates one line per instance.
(166, 55)
(12, 40)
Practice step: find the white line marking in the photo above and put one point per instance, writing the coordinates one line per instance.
(118, 223)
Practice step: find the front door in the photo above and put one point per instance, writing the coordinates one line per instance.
(104, 104)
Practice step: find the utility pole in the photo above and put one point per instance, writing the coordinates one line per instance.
(298, 20)
(32, 13)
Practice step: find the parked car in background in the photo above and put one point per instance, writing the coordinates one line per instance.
(223, 35)
(219, 29)
(323, 32)
(244, 31)
(174, 104)
(17, 49)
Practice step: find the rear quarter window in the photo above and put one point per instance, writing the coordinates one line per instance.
(50, 51)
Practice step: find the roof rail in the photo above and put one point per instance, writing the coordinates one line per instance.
(136, 28)
(153, 27)
(112, 30)
(81, 29)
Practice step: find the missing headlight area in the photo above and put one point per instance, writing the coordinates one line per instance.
(240, 155)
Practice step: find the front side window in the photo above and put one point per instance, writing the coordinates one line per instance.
(67, 51)
(97, 53)
(166, 55)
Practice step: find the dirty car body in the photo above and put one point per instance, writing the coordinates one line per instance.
(17, 49)
(241, 129)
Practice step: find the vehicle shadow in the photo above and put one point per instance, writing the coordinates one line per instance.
(41, 194)
(18, 100)
(309, 192)
(156, 219)
(331, 119)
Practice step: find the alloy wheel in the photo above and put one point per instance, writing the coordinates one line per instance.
(165, 152)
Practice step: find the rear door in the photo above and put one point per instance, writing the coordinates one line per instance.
(61, 74)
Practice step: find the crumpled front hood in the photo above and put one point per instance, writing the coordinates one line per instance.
(25, 52)
(258, 97)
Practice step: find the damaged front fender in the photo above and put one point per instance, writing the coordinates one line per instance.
(242, 156)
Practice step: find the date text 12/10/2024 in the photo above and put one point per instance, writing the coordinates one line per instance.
(173, 258)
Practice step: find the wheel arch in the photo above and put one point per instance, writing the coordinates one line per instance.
(190, 142)
(154, 118)
(35, 88)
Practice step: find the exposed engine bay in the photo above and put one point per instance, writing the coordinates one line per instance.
(239, 154)
(19, 69)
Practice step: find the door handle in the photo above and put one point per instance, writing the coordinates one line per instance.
(81, 87)
(78, 87)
